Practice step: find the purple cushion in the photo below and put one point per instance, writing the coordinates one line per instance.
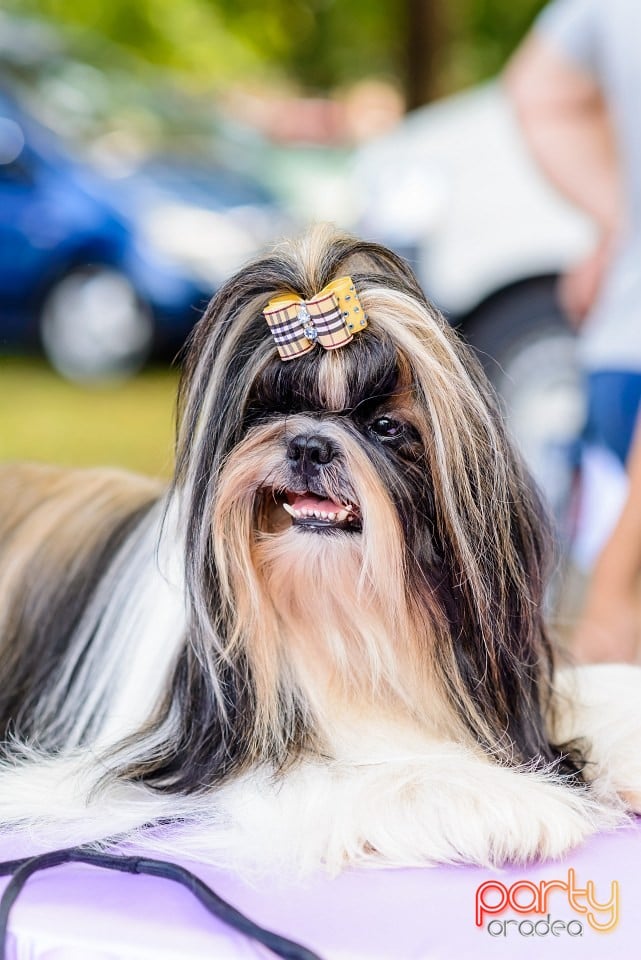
(79, 912)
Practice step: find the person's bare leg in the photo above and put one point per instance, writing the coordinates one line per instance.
(609, 628)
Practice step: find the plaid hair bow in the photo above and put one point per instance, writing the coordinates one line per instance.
(331, 318)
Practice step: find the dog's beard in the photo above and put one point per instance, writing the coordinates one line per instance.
(320, 606)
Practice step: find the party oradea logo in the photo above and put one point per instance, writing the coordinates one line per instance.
(550, 908)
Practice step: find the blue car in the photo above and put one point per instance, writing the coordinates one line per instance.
(101, 273)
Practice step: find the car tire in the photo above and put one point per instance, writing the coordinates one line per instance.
(529, 352)
(93, 325)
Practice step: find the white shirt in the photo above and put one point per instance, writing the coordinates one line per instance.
(604, 38)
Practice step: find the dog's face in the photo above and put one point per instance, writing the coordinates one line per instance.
(331, 441)
(339, 435)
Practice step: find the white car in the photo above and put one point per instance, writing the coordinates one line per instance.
(454, 189)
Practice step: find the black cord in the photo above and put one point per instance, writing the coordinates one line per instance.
(24, 868)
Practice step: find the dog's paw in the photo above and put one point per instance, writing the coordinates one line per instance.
(534, 818)
(453, 809)
(479, 813)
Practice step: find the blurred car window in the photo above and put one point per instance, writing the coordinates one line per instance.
(123, 206)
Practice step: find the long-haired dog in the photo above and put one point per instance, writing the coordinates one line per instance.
(325, 644)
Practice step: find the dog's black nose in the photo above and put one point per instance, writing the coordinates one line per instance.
(308, 452)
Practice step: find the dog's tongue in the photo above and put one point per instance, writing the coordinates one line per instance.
(307, 501)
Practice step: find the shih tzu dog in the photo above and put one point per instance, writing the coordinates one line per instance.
(325, 643)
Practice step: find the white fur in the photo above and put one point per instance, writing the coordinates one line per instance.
(602, 704)
(388, 800)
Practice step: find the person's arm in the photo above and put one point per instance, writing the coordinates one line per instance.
(566, 124)
(565, 121)
(610, 625)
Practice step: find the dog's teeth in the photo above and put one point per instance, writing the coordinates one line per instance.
(345, 513)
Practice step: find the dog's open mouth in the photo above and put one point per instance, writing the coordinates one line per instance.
(313, 512)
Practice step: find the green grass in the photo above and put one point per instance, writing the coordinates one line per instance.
(44, 418)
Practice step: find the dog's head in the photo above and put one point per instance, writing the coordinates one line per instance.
(357, 523)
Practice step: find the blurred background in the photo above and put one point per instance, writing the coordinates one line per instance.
(147, 150)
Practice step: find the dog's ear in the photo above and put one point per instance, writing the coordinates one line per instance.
(496, 659)
(492, 536)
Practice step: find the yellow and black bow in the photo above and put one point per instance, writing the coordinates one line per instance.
(331, 318)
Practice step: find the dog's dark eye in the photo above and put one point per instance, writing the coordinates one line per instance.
(386, 428)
